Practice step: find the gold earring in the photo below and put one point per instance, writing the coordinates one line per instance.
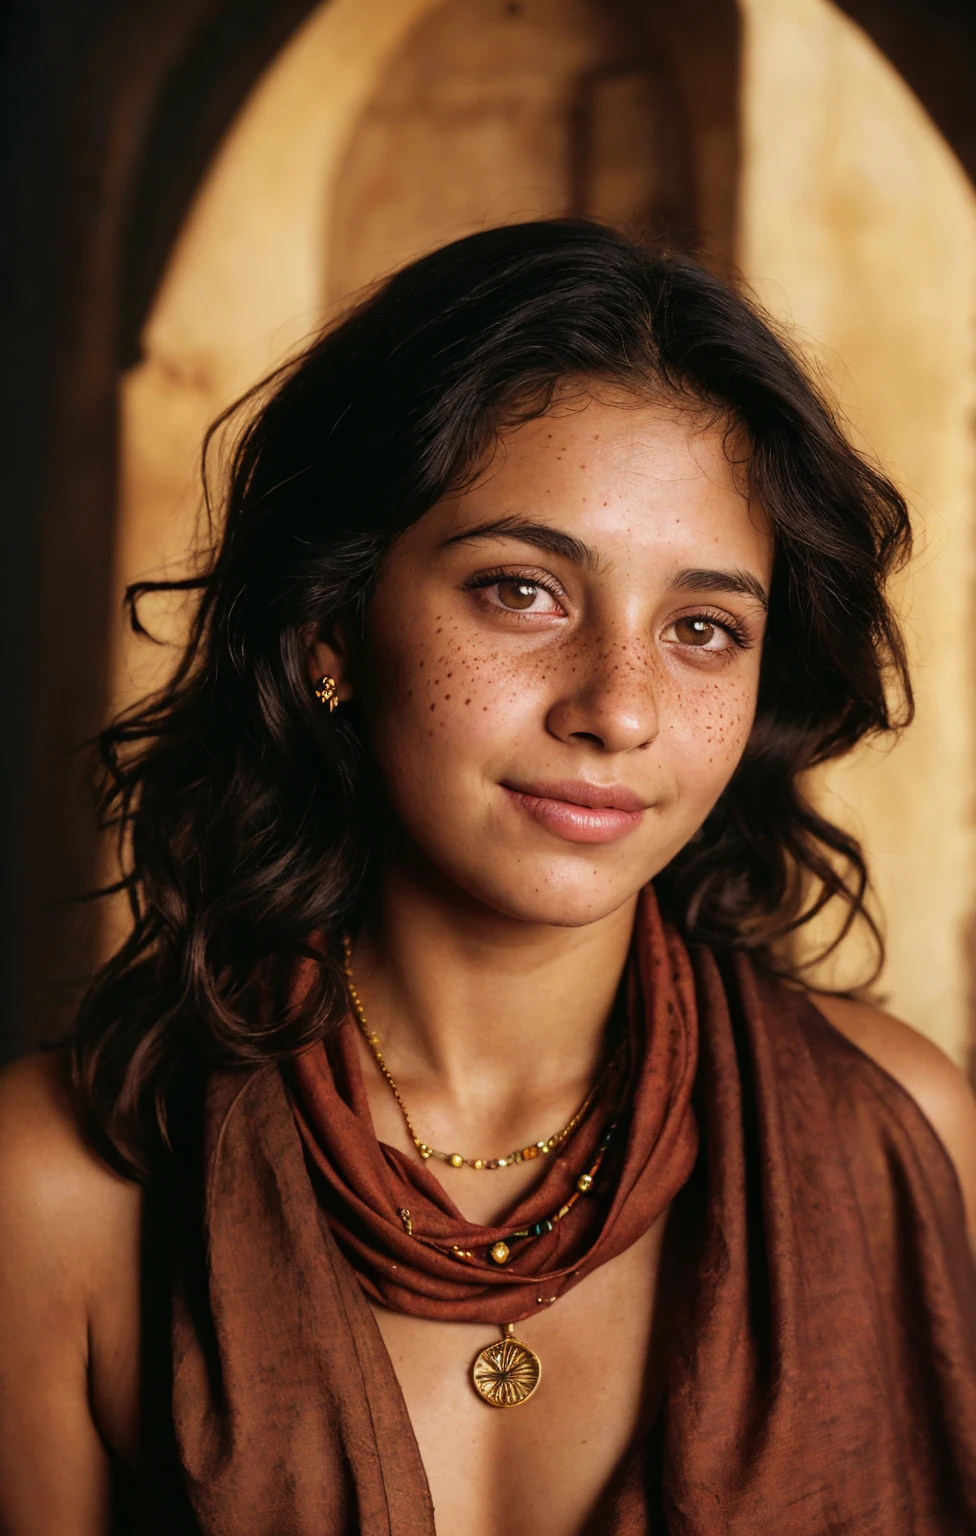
(327, 692)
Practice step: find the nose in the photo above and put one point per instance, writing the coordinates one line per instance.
(611, 700)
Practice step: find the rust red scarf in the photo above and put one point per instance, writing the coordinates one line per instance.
(822, 1378)
(364, 1184)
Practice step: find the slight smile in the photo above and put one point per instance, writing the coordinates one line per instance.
(580, 812)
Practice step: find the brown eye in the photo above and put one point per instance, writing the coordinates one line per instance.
(516, 593)
(695, 631)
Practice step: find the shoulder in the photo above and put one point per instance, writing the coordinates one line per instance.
(62, 1210)
(69, 1255)
(936, 1084)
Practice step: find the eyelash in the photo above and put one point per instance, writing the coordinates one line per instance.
(735, 631)
(534, 578)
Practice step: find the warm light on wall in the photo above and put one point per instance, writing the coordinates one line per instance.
(859, 226)
(854, 220)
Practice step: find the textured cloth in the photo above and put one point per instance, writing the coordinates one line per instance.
(364, 1184)
(822, 1375)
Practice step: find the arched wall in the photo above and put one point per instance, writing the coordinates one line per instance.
(256, 263)
(858, 226)
(494, 112)
(838, 162)
(245, 282)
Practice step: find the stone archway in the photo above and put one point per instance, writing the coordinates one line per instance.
(493, 112)
(854, 221)
(272, 236)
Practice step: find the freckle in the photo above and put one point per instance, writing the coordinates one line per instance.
(467, 701)
(433, 707)
(447, 696)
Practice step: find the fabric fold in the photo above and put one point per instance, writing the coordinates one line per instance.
(364, 1184)
(822, 1371)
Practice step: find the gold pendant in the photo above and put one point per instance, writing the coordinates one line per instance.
(507, 1373)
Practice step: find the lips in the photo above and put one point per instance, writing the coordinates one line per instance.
(578, 811)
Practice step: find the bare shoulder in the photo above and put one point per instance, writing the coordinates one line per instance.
(68, 1222)
(69, 1268)
(53, 1187)
(936, 1084)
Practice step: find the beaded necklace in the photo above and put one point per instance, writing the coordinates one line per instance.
(457, 1159)
(506, 1373)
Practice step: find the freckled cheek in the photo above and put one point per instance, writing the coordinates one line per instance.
(709, 731)
(450, 697)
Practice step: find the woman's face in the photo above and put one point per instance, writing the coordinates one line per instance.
(560, 665)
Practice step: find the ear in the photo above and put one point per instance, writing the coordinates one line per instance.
(327, 655)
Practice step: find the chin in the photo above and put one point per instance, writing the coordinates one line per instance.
(548, 898)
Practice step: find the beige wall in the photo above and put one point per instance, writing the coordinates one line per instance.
(858, 225)
(246, 281)
(491, 113)
(854, 221)
(384, 127)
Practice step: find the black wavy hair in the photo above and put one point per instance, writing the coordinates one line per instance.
(245, 813)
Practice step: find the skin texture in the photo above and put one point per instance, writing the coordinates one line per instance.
(489, 965)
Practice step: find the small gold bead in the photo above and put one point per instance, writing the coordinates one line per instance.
(584, 1183)
(456, 1160)
(478, 1163)
(563, 1211)
(500, 1252)
(503, 1162)
(542, 1146)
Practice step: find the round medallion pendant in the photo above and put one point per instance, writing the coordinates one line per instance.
(507, 1373)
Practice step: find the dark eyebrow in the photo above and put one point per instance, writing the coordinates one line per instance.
(554, 542)
(551, 540)
(695, 580)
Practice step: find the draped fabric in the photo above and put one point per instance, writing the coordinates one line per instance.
(822, 1375)
(364, 1184)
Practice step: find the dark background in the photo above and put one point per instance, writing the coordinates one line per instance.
(111, 112)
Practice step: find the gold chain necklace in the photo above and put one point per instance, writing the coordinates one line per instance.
(456, 1159)
(507, 1373)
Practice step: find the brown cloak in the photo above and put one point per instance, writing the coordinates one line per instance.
(823, 1378)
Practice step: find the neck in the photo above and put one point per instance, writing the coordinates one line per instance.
(479, 1006)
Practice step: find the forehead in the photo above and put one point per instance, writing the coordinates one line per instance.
(624, 477)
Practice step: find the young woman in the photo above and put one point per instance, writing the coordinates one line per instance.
(449, 1144)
